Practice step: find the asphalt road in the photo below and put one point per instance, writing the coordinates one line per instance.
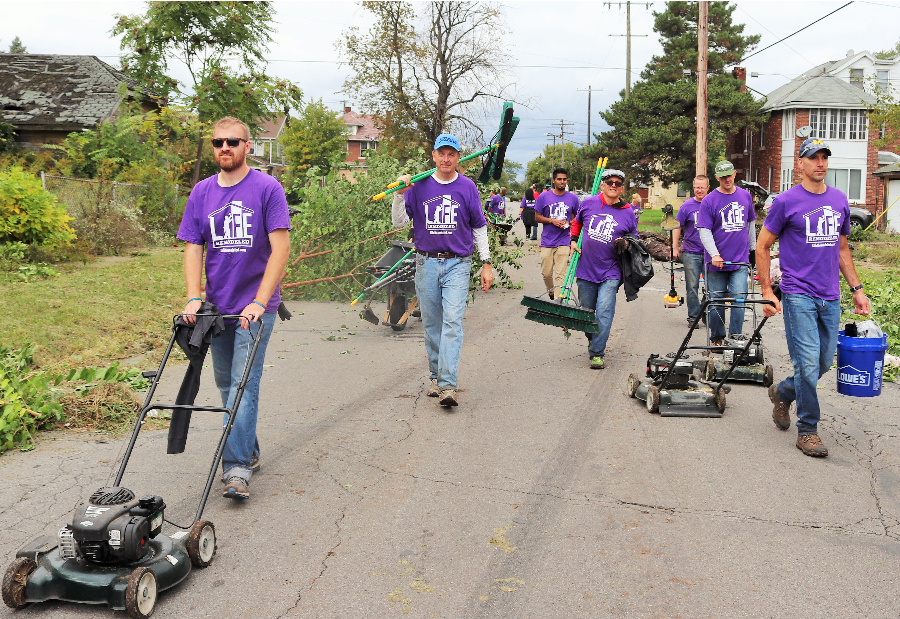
(547, 493)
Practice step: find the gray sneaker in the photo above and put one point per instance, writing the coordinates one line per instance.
(236, 488)
(433, 391)
(448, 397)
(254, 464)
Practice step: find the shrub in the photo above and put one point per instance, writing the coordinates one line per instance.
(29, 214)
(105, 224)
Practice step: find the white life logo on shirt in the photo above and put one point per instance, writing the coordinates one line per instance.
(602, 230)
(733, 217)
(559, 210)
(234, 224)
(440, 215)
(823, 226)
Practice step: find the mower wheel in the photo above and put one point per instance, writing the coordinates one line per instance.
(15, 580)
(634, 381)
(140, 594)
(770, 376)
(201, 543)
(653, 399)
(720, 401)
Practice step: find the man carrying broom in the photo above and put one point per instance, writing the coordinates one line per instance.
(445, 209)
(606, 218)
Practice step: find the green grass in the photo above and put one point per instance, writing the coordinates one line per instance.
(91, 315)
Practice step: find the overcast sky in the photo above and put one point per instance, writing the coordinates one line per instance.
(558, 48)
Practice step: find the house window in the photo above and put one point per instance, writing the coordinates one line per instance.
(787, 178)
(832, 124)
(814, 124)
(681, 192)
(762, 135)
(771, 174)
(857, 125)
(841, 124)
(788, 120)
(848, 181)
(856, 78)
(883, 76)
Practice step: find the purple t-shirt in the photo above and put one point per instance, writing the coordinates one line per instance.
(444, 215)
(498, 205)
(234, 223)
(728, 215)
(809, 227)
(687, 217)
(603, 224)
(553, 206)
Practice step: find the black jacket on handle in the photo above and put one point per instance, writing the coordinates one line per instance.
(637, 266)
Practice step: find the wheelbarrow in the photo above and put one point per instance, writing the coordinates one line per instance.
(396, 271)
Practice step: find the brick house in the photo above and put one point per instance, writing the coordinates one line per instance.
(831, 101)
(362, 135)
(46, 97)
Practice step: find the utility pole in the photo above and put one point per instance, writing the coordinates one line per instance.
(589, 112)
(628, 36)
(562, 136)
(552, 151)
(702, 53)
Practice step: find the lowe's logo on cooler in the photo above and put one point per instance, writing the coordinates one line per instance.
(849, 375)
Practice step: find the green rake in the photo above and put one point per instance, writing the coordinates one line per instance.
(560, 313)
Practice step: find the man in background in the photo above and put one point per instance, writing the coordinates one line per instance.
(555, 209)
(692, 251)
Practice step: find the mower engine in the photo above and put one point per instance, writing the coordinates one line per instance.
(658, 366)
(113, 527)
(754, 354)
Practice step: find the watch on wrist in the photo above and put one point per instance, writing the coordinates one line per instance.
(487, 261)
(855, 288)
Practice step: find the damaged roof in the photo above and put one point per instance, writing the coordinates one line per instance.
(818, 87)
(40, 91)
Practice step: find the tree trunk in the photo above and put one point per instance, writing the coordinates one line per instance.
(196, 177)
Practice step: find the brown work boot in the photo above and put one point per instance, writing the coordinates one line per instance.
(811, 445)
(706, 353)
(433, 390)
(781, 413)
(448, 397)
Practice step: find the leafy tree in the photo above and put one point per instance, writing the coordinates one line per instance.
(885, 118)
(16, 47)
(7, 137)
(421, 83)
(653, 133)
(888, 53)
(222, 46)
(315, 138)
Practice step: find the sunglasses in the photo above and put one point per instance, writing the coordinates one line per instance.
(614, 183)
(232, 142)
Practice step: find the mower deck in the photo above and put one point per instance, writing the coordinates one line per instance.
(75, 580)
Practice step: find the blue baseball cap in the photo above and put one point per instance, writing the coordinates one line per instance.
(811, 146)
(445, 139)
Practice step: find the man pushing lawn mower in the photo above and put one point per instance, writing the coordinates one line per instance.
(241, 215)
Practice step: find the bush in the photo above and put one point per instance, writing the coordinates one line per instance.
(106, 225)
(29, 214)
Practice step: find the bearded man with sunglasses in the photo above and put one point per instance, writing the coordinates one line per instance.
(241, 216)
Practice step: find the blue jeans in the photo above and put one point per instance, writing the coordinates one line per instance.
(229, 355)
(727, 284)
(693, 267)
(811, 326)
(601, 298)
(442, 286)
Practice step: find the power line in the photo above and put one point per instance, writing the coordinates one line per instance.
(793, 33)
(628, 34)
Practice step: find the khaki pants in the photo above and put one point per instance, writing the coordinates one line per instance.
(553, 266)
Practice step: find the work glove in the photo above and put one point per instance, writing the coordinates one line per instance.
(620, 245)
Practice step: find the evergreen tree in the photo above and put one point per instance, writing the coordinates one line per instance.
(653, 133)
(16, 47)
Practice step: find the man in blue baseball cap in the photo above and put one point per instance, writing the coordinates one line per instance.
(811, 222)
(448, 224)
